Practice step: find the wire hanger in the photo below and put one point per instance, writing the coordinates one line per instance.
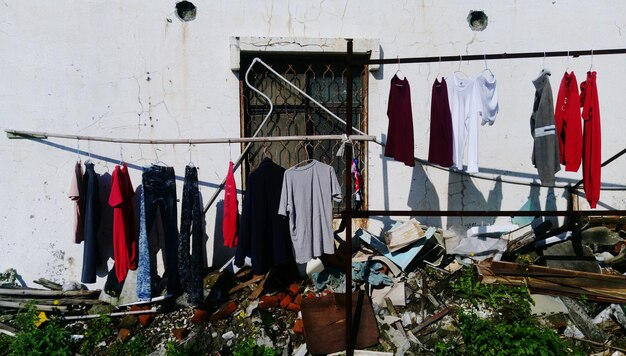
(308, 158)
(88, 161)
(458, 71)
(439, 70)
(78, 150)
(158, 161)
(487, 69)
(121, 155)
(266, 152)
(544, 70)
(399, 71)
(591, 65)
(190, 164)
(567, 68)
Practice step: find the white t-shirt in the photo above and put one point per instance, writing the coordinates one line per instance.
(465, 104)
(488, 92)
(307, 199)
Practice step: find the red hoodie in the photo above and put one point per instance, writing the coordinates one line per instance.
(568, 123)
(592, 146)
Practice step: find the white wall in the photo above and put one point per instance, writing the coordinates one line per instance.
(133, 69)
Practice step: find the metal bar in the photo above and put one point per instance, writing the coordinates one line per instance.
(368, 213)
(476, 57)
(350, 333)
(191, 141)
(613, 158)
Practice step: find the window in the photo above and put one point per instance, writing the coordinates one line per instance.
(323, 78)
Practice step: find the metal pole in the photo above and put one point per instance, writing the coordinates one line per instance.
(350, 333)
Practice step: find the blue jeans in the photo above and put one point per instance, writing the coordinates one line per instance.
(159, 191)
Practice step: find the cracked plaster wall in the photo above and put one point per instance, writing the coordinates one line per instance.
(132, 69)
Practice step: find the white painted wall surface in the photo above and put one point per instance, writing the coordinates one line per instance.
(133, 69)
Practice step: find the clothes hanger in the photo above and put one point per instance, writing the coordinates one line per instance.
(567, 68)
(591, 65)
(190, 163)
(88, 161)
(308, 159)
(399, 71)
(458, 71)
(544, 70)
(487, 69)
(439, 72)
(78, 150)
(266, 152)
(121, 155)
(158, 161)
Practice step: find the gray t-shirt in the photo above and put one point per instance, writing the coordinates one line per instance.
(307, 199)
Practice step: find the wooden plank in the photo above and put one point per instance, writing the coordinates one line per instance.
(62, 301)
(30, 292)
(48, 284)
(433, 318)
(245, 284)
(20, 305)
(259, 289)
(509, 268)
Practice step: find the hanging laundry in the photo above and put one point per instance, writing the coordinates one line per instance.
(358, 192)
(77, 195)
(592, 145)
(124, 230)
(465, 105)
(568, 123)
(91, 223)
(190, 267)
(230, 217)
(399, 143)
(159, 192)
(545, 155)
(263, 234)
(488, 93)
(441, 134)
(307, 199)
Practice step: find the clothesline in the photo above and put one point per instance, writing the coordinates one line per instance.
(480, 57)
(192, 141)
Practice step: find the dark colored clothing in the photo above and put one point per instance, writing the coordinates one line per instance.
(440, 145)
(568, 123)
(159, 190)
(399, 143)
(124, 228)
(264, 235)
(545, 154)
(592, 145)
(92, 223)
(78, 196)
(190, 266)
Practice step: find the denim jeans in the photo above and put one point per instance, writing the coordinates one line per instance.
(92, 222)
(190, 266)
(159, 191)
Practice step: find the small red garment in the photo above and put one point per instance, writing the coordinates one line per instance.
(568, 123)
(124, 229)
(592, 146)
(230, 217)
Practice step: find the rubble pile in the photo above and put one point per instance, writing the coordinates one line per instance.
(415, 290)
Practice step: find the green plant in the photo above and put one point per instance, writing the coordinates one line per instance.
(247, 347)
(97, 331)
(137, 346)
(174, 349)
(49, 339)
(5, 344)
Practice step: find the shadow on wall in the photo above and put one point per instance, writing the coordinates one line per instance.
(221, 253)
(423, 196)
(463, 195)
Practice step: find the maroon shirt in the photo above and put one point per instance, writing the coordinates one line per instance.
(399, 144)
(440, 146)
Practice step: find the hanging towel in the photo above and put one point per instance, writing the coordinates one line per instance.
(230, 218)
(592, 147)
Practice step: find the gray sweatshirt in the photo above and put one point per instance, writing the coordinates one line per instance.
(545, 155)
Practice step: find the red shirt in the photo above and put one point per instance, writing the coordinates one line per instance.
(592, 147)
(231, 213)
(568, 123)
(124, 231)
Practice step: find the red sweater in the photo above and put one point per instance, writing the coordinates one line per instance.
(592, 146)
(568, 123)
(124, 230)
(230, 217)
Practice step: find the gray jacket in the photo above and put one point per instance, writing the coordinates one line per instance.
(546, 146)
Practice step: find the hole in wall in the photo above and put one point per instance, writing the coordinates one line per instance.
(186, 10)
(477, 20)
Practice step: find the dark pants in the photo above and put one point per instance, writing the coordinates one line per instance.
(92, 222)
(159, 190)
(190, 266)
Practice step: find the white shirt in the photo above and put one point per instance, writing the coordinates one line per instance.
(465, 105)
(488, 92)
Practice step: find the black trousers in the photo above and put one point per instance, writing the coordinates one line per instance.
(159, 189)
(92, 223)
(190, 266)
